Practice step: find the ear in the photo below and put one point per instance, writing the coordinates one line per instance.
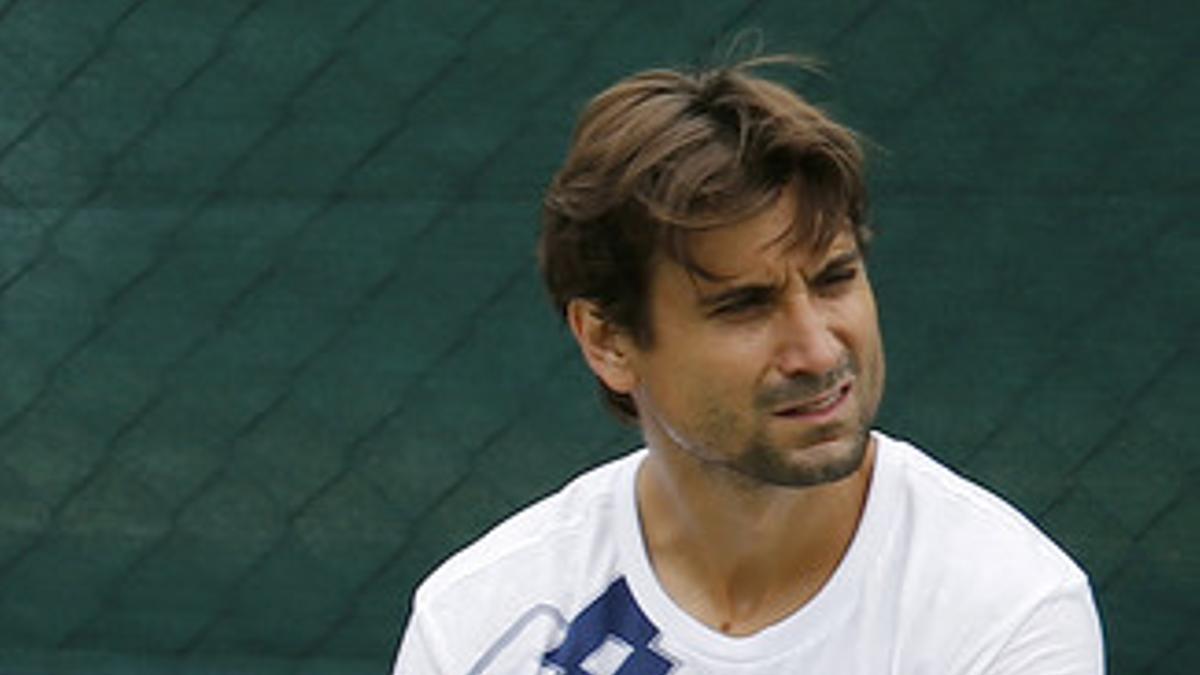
(606, 347)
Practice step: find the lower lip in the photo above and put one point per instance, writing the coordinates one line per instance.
(821, 414)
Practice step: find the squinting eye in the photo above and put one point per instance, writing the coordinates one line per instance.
(743, 305)
(737, 306)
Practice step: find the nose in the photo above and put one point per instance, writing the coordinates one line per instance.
(808, 343)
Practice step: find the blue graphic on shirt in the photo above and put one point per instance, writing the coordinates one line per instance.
(613, 614)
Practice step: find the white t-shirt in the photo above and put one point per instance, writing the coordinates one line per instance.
(942, 578)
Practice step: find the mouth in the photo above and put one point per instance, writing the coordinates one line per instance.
(817, 407)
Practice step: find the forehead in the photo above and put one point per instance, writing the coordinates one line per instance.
(759, 245)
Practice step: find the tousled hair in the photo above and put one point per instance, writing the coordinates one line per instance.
(663, 153)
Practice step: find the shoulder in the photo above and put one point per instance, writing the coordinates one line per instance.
(975, 574)
(534, 546)
(505, 595)
(968, 527)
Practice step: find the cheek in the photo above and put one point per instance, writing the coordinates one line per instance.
(862, 323)
(712, 351)
(703, 385)
(874, 366)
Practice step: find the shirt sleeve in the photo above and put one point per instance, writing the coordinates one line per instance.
(417, 655)
(1062, 636)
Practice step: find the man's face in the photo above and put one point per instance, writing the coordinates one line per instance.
(773, 371)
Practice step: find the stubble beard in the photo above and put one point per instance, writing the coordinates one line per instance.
(770, 463)
(801, 461)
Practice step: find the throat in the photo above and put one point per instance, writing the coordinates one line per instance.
(738, 570)
(747, 613)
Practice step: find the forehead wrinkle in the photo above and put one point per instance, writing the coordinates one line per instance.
(768, 272)
(790, 238)
(810, 231)
(806, 231)
(700, 275)
(677, 236)
(821, 240)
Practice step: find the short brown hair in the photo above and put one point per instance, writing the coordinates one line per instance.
(665, 152)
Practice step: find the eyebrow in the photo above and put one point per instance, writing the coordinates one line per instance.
(740, 292)
(765, 289)
(842, 259)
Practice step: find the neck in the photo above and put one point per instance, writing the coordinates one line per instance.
(741, 556)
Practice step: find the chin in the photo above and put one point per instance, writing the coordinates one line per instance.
(814, 463)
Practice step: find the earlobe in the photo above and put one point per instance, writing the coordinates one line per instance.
(605, 346)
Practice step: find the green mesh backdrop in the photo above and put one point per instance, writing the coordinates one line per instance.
(273, 344)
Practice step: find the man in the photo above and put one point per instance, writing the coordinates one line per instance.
(705, 241)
